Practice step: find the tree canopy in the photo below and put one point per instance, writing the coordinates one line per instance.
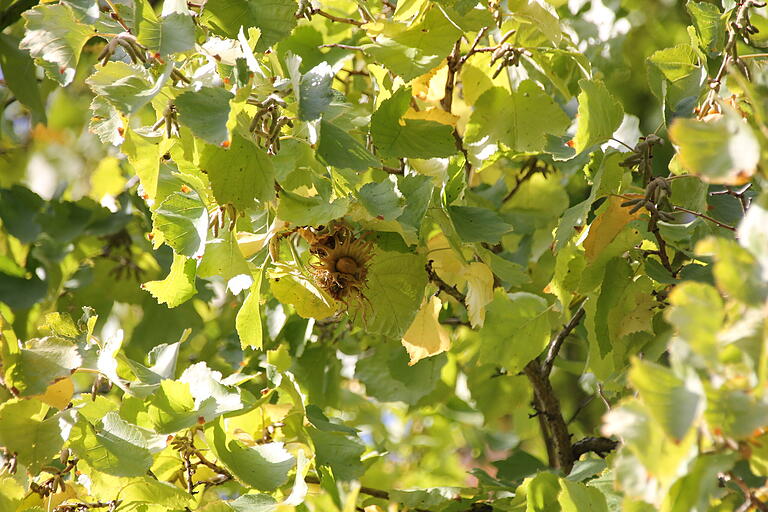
(379, 255)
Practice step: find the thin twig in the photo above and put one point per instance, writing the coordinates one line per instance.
(750, 500)
(531, 168)
(116, 16)
(557, 341)
(707, 217)
(442, 285)
(339, 19)
(343, 46)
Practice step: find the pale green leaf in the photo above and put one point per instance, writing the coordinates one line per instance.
(600, 114)
(179, 286)
(416, 50)
(396, 136)
(54, 39)
(239, 175)
(248, 320)
(520, 120)
(516, 330)
(264, 467)
(206, 112)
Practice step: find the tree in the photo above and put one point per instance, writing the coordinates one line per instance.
(431, 255)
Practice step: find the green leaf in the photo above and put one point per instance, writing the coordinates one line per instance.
(171, 34)
(275, 19)
(737, 271)
(315, 92)
(516, 330)
(144, 157)
(114, 448)
(520, 120)
(751, 232)
(694, 490)
(674, 403)
(388, 377)
(412, 52)
(697, 313)
(339, 450)
(41, 363)
(339, 149)
(309, 301)
(676, 76)
(172, 407)
(106, 122)
(724, 150)
(394, 291)
(206, 112)
(382, 199)
(179, 286)
(264, 467)
(239, 175)
(19, 74)
(310, 211)
(24, 431)
(709, 23)
(183, 220)
(478, 224)
(254, 503)
(735, 413)
(600, 114)
(20, 210)
(578, 497)
(397, 136)
(223, 258)
(151, 491)
(54, 39)
(518, 466)
(248, 320)
(126, 86)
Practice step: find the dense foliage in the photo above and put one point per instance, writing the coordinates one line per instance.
(425, 255)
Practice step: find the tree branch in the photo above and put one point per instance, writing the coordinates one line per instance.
(557, 341)
(339, 19)
(559, 448)
(599, 445)
(442, 285)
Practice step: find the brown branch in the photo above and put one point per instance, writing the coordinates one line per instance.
(532, 168)
(557, 341)
(707, 217)
(750, 500)
(442, 285)
(343, 46)
(653, 227)
(339, 19)
(599, 445)
(559, 448)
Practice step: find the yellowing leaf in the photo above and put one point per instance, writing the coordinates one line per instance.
(58, 394)
(479, 291)
(606, 226)
(248, 320)
(309, 301)
(426, 337)
(445, 262)
(434, 114)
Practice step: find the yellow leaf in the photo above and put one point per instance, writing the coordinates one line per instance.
(607, 225)
(445, 262)
(58, 394)
(479, 291)
(434, 114)
(426, 337)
